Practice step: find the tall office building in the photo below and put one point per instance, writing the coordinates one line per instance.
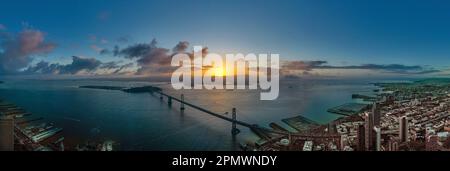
(376, 114)
(368, 125)
(372, 119)
(361, 138)
(6, 134)
(377, 132)
(403, 129)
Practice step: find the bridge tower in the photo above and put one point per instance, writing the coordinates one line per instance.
(169, 101)
(234, 130)
(182, 102)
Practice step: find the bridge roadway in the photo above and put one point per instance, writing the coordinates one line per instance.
(242, 123)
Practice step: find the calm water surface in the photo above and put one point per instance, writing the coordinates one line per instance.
(143, 122)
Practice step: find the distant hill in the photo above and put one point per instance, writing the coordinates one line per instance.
(434, 81)
(103, 87)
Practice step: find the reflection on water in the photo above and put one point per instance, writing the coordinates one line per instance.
(144, 122)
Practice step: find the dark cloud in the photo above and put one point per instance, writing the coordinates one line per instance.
(16, 52)
(121, 68)
(78, 64)
(417, 72)
(81, 64)
(44, 68)
(152, 59)
(140, 50)
(116, 66)
(104, 52)
(149, 57)
(111, 65)
(115, 51)
(390, 67)
(155, 56)
(124, 39)
(181, 47)
(289, 66)
(302, 65)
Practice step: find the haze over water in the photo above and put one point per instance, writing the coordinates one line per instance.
(143, 122)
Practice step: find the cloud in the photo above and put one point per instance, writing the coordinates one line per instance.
(181, 47)
(123, 67)
(302, 65)
(150, 58)
(80, 66)
(115, 51)
(124, 39)
(44, 68)
(111, 65)
(17, 52)
(390, 68)
(96, 48)
(115, 67)
(289, 66)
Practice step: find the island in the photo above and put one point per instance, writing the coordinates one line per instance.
(144, 89)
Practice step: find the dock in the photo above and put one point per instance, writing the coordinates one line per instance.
(30, 137)
(300, 123)
(275, 126)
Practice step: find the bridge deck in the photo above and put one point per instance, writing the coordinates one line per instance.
(208, 112)
(242, 123)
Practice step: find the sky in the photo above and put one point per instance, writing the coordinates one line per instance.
(313, 37)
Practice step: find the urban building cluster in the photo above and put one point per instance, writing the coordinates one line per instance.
(403, 117)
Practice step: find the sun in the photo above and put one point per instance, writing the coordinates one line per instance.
(219, 72)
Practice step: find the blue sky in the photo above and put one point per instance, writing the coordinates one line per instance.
(343, 33)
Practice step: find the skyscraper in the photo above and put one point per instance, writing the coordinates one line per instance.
(403, 128)
(361, 138)
(376, 114)
(377, 131)
(372, 119)
(368, 125)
